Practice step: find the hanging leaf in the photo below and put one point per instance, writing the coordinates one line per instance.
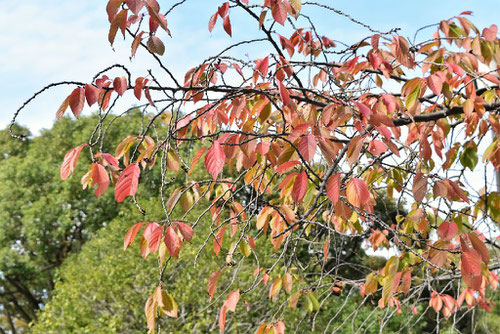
(69, 162)
(131, 234)
(419, 188)
(127, 182)
(212, 283)
(299, 187)
(447, 230)
(307, 147)
(333, 188)
(120, 85)
(214, 160)
(100, 178)
(173, 242)
(155, 45)
(77, 101)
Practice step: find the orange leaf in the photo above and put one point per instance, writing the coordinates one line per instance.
(232, 300)
(130, 236)
(212, 283)
(471, 262)
(357, 192)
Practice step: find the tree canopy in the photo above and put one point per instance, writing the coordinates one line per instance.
(273, 164)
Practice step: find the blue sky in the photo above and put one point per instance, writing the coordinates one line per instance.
(53, 40)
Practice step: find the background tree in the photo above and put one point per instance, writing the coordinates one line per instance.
(296, 142)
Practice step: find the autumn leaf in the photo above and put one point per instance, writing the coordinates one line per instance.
(299, 187)
(307, 147)
(118, 22)
(212, 283)
(333, 187)
(357, 192)
(127, 182)
(419, 188)
(120, 85)
(77, 100)
(91, 94)
(227, 25)
(69, 162)
(155, 45)
(185, 230)
(480, 247)
(131, 234)
(214, 160)
(173, 242)
(447, 230)
(100, 178)
(285, 96)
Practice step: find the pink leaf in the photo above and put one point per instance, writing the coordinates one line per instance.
(214, 160)
(307, 147)
(447, 230)
(69, 162)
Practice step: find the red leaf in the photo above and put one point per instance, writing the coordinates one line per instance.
(219, 237)
(212, 283)
(419, 188)
(262, 66)
(134, 5)
(479, 246)
(153, 236)
(69, 162)
(127, 182)
(286, 166)
(120, 85)
(279, 12)
(376, 147)
(227, 25)
(357, 192)
(214, 160)
(91, 94)
(196, 158)
(77, 100)
(307, 147)
(212, 22)
(232, 300)
(223, 10)
(119, 21)
(173, 242)
(333, 187)
(186, 231)
(101, 178)
(130, 236)
(471, 262)
(156, 18)
(285, 96)
(299, 187)
(447, 230)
